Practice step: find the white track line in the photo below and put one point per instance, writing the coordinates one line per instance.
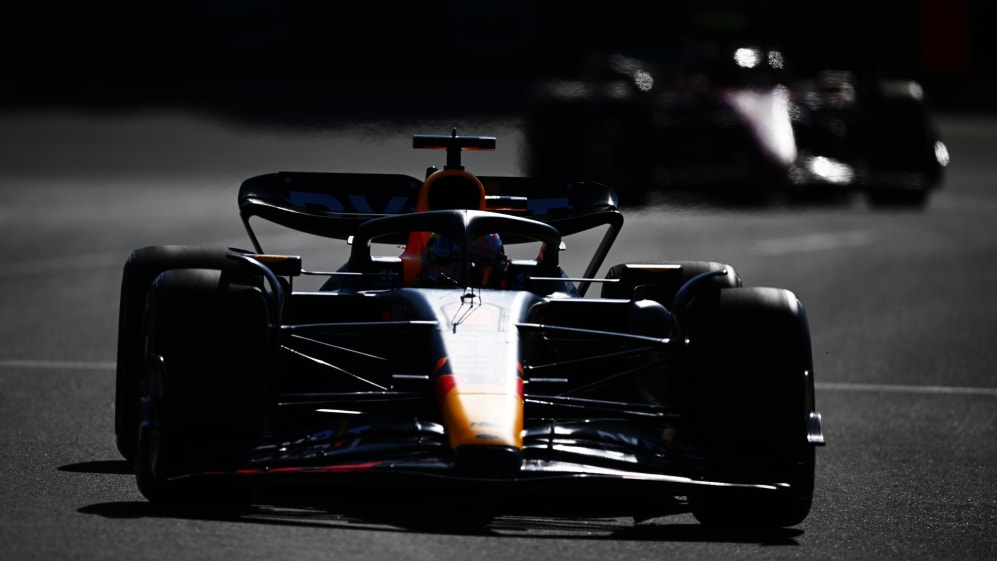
(899, 388)
(57, 364)
(815, 242)
(824, 386)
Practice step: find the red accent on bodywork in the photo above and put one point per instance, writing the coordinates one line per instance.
(439, 366)
(444, 384)
(344, 468)
(326, 469)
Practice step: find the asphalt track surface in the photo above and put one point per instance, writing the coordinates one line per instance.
(902, 305)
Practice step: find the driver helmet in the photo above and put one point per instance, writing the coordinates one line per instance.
(443, 259)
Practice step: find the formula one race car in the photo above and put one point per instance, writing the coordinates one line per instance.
(738, 130)
(451, 356)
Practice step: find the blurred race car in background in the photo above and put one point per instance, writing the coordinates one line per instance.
(876, 134)
(732, 121)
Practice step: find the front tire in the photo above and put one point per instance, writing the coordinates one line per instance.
(750, 393)
(208, 361)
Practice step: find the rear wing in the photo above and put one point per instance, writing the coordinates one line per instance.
(333, 205)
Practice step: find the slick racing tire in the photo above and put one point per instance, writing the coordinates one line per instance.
(142, 267)
(208, 341)
(749, 393)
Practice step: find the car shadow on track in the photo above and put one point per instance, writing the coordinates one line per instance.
(666, 524)
(108, 467)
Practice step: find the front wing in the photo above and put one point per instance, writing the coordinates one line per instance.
(599, 458)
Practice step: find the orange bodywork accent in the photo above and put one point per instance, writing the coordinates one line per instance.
(412, 256)
(476, 414)
(422, 201)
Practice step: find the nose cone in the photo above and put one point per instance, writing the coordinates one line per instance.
(478, 381)
(475, 417)
(485, 426)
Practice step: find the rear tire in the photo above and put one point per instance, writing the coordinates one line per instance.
(211, 330)
(651, 281)
(749, 393)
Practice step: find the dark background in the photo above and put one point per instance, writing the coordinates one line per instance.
(255, 58)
